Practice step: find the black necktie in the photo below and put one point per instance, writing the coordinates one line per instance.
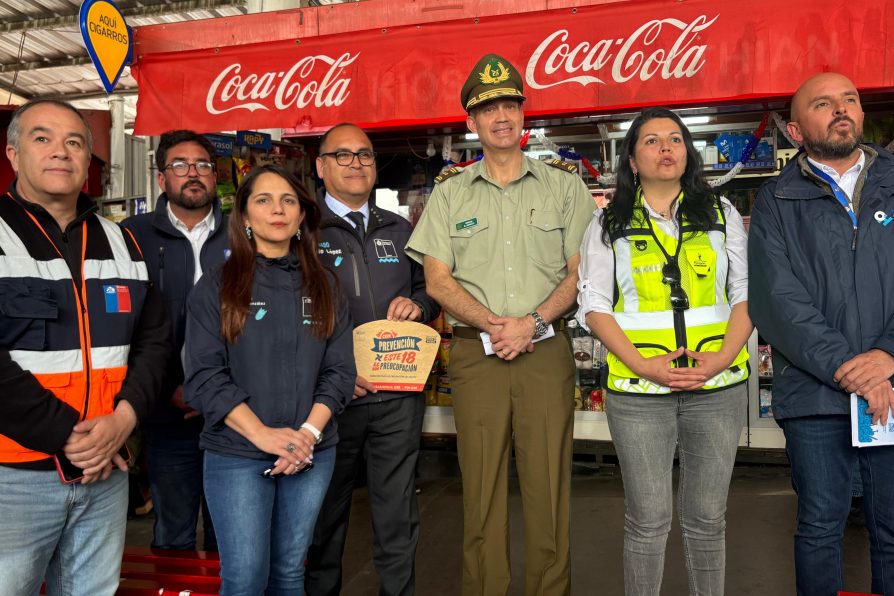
(357, 218)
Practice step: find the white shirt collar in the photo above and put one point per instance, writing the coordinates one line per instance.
(342, 210)
(854, 169)
(848, 180)
(208, 221)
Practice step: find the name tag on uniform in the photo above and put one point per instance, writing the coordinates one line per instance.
(465, 225)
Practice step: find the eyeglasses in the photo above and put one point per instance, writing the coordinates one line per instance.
(670, 275)
(346, 158)
(181, 168)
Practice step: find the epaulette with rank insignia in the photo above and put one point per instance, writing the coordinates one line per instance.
(563, 165)
(448, 174)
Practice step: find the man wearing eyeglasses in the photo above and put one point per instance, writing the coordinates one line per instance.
(364, 246)
(185, 236)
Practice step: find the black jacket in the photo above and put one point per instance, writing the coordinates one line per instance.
(374, 273)
(277, 367)
(169, 258)
(29, 413)
(818, 292)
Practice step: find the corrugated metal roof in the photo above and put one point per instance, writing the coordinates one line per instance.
(42, 53)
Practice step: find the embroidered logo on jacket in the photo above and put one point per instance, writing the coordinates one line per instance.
(307, 311)
(386, 252)
(883, 218)
(261, 312)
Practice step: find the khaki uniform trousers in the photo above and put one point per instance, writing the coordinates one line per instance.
(528, 401)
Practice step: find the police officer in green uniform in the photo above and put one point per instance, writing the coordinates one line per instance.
(499, 241)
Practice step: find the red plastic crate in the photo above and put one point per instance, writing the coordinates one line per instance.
(146, 571)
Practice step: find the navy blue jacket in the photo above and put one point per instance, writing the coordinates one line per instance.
(171, 265)
(277, 367)
(819, 293)
(375, 272)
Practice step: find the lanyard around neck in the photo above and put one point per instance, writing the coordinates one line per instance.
(838, 192)
(678, 216)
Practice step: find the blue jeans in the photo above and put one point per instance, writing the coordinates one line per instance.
(645, 431)
(175, 479)
(72, 535)
(823, 462)
(264, 526)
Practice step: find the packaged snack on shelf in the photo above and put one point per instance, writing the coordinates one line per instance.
(578, 401)
(766, 403)
(583, 352)
(585, 391)
(600, 353)
(431, 391)
(439, 323)
(445, 394)
(444, 354)
(764, 361)
(597, 404)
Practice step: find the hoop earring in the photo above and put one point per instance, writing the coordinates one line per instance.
(248, 232)
(298, 234)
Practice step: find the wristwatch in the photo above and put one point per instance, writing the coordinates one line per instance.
(540, 326)
(317, 433)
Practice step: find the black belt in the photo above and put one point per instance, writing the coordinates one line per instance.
(466, 332)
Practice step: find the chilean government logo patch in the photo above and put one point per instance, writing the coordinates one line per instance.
(117, 298)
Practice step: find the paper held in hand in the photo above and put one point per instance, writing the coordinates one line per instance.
(489, 348)
(395, 355)
(863, 432)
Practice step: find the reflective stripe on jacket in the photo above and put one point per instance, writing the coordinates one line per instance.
(643, 305)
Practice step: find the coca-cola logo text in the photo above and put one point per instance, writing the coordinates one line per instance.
(556, 54)
(300, 86)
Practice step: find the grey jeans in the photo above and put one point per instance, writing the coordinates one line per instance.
(645, 431)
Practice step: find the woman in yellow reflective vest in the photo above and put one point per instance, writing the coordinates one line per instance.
(663, 284)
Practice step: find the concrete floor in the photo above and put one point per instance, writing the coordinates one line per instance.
(760, 525)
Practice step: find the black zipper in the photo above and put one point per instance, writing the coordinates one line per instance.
(161, 269)
(372, 299)
(355, 270)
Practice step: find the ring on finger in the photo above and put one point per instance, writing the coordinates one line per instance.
(291, 448)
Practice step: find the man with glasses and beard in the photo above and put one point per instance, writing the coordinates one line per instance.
(821, 292)
(185, 236)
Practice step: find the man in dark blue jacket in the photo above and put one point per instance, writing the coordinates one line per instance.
(364, 245)
(821, 291)
(184, 236)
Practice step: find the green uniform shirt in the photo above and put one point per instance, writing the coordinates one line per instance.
(508, 247)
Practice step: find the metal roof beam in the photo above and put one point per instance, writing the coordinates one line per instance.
(41, 64)
(151, 8)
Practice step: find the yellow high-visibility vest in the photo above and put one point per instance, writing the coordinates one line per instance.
(643, 305)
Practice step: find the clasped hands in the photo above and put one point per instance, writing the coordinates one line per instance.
(93, 444)
(294, 448)
(511, 336)
(659, 369)
(868, 375)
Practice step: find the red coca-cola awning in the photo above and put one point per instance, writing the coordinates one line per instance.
(598, 58)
